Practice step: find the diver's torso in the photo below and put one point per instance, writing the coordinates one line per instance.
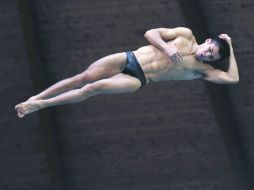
(157, 66)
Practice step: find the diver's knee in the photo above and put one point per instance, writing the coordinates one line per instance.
(92, 88)
(82, 77)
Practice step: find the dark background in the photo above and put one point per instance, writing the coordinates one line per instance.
(175, 135)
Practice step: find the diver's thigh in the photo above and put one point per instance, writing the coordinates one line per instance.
(117, 84)
(113, 63)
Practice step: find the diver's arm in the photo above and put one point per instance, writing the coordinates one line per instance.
(232, 68)
(218, 76)
(158, 37)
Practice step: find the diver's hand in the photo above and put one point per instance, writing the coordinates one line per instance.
(174, 55)
(227, 38)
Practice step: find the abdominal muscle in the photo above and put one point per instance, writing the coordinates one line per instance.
(157, 66)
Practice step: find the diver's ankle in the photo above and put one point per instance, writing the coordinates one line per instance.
(41, 103)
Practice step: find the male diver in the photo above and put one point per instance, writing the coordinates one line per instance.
(174, 54)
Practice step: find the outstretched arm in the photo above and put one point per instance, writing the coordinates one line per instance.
(232, 69)
(221, 77)
(159, 36)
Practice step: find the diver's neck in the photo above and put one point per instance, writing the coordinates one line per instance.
(194, 49)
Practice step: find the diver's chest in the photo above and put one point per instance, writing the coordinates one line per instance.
(182, 71)
(175, 73)
(181, 44)
(184, 75)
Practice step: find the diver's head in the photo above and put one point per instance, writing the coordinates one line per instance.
(214, 49)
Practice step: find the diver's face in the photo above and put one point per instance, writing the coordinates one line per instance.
(208, 51)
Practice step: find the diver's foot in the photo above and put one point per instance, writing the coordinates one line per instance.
(28, 107)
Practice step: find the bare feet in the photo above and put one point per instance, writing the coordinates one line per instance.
(28, 107)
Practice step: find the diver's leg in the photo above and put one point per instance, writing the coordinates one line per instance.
(117, 84)
(102, 68)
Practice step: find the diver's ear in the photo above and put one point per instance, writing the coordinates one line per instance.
(208, 40)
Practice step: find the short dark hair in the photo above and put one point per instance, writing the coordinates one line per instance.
(224, 49)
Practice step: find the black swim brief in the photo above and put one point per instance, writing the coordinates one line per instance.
(133, 68)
